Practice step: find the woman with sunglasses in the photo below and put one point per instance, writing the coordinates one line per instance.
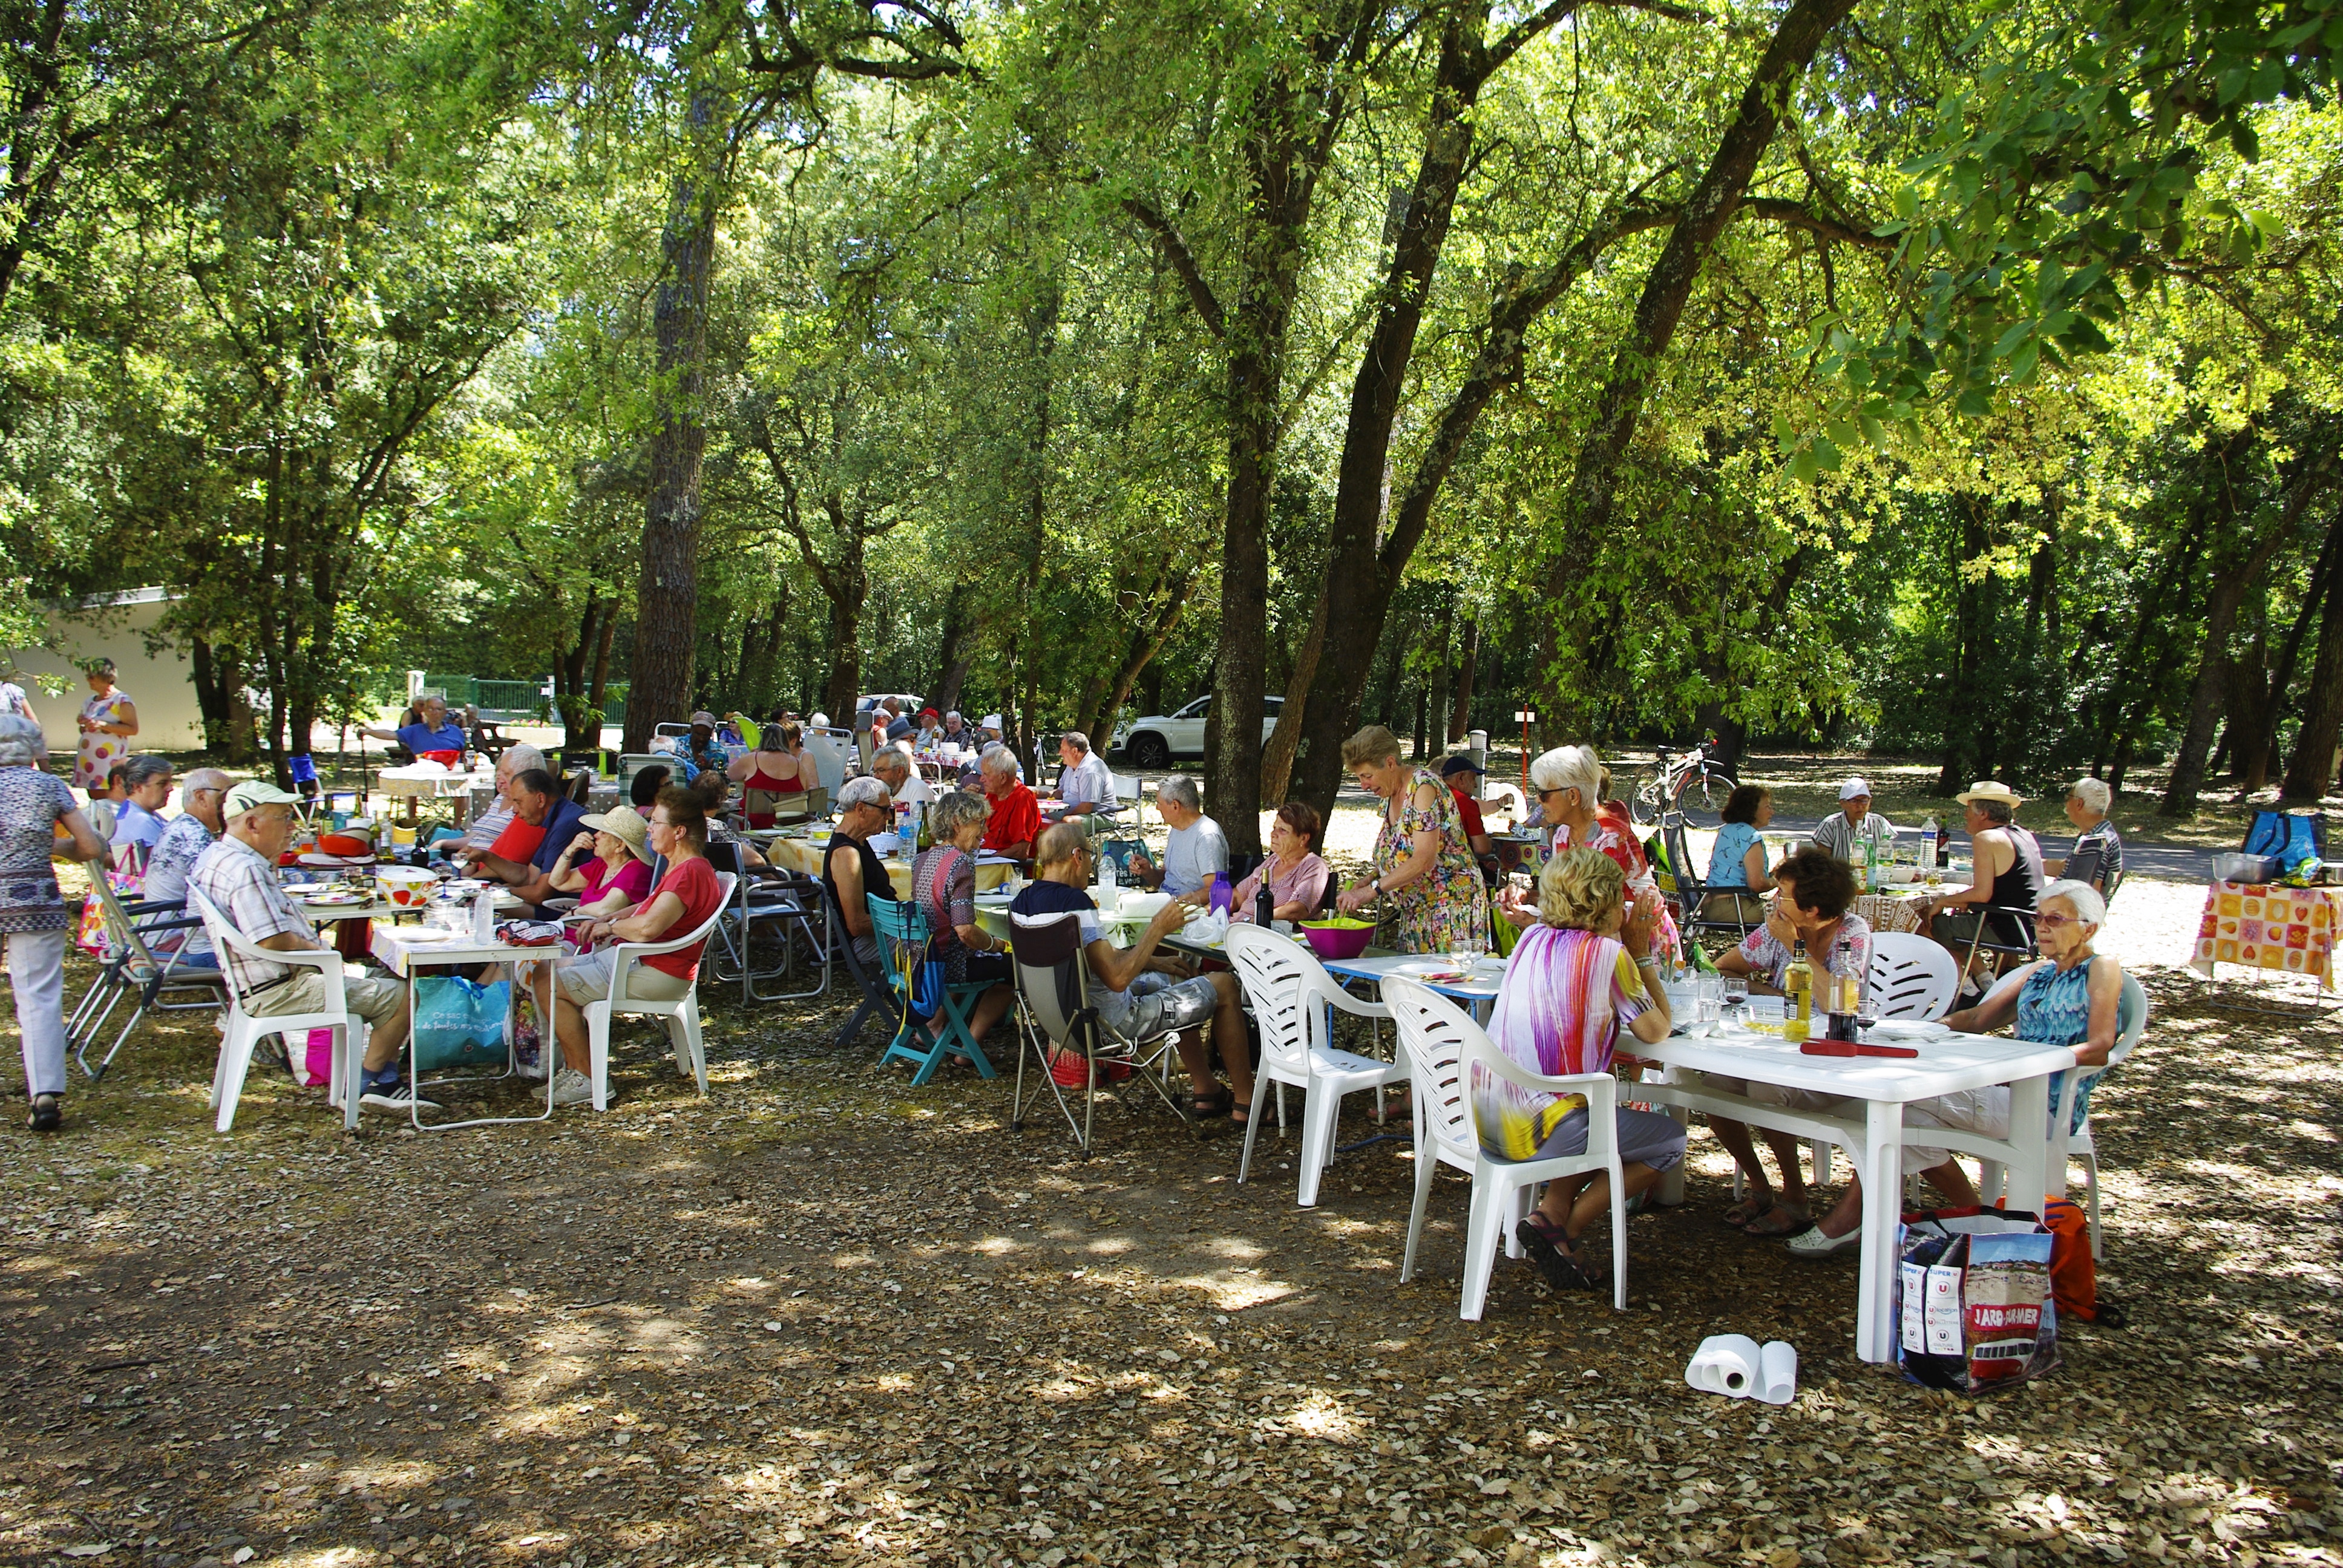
(2068, 997)
(1570, 782)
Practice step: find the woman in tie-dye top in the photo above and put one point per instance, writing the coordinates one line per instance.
(1573, 980)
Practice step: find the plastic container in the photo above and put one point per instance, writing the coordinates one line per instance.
(2245, 867)
(408, 886)
(1337, 939)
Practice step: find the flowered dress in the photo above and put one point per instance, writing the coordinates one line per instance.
(99, 750)
(1614, 834)
(1444, 907)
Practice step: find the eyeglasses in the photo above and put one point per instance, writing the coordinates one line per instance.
(2052, 922)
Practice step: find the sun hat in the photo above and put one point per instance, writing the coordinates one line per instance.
(1458, 764)
(990, 721)
(253, 792)
(621, 822)
(1854, 787)
(1990, 789)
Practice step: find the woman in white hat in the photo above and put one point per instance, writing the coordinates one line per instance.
(607, 866)
(2007, 874)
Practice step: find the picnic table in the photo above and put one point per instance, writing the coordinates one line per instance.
(1868, 1122)
(405, 952)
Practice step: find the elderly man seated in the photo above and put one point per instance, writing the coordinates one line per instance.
(700, 750)
(146, 784)
(1846, 830)
(185, 839)
(1085, 787)
(547, 821)
(852, 871)
(2097, 857)
(1015, 826)
(1141, 994)
(430, 736)
(238, 874)
(1196, 850)
(486, 829)
(892, 766)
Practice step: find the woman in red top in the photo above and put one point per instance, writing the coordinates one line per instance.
(685, 896)
(775, 777)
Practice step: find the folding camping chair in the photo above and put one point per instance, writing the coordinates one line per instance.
(132, 969)
(1059, 1029)
(903, 934)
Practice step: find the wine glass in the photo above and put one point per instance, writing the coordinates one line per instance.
(1736, 998)
(1461, 957)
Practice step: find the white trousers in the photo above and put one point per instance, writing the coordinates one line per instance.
(36, 970)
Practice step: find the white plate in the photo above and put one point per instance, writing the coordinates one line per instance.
(1910, 1028)
(341, 862)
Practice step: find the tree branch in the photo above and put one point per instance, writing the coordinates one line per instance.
(1183, 262)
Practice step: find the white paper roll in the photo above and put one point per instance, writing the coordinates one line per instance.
(1777, 1373)
(1725, 1364)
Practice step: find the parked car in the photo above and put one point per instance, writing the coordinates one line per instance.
(1155, 741)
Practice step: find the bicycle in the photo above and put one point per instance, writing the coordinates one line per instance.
(1678, 775)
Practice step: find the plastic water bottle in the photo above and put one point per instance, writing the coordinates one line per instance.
(484, 918)
(1106, 877)
(1931, 845)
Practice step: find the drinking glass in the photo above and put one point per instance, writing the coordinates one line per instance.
(1709, 995)
(1461, 958)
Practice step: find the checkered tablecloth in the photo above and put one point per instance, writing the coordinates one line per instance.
(2267, 927)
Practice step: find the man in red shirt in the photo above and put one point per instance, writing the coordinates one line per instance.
(1016, 820)
(1463, 774)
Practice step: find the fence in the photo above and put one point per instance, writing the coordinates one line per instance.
(517, 701)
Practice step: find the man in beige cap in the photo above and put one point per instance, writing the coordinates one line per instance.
(238, 875)
(2006, 874)
(700, 750)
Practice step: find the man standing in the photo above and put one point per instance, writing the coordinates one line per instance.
(432, 738)
(238, 875)
(1196, 850)
(1015, 824)
(1085, 787)
(185, 839)
(1854, 824)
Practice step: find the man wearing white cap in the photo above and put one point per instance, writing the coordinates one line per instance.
(1854, 824)
(238, 875)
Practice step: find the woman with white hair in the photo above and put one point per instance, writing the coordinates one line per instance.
(2098, 850)
(2068, 997)
(852, 868)
(1568, 783)
(36, 808)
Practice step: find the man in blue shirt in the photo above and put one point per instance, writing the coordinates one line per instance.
(433, 736)
(700, 749)
(536, 797)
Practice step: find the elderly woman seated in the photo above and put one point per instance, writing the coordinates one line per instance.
(1296, 876)
(1574, 980)
(2068, 997)
(943, 885)
(607, 865)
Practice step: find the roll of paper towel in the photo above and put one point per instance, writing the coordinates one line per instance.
(1725, 1364)
(1733, 1366)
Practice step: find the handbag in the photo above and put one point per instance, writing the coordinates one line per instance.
(459, 1022)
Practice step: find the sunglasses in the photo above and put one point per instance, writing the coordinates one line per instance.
(2052, 922)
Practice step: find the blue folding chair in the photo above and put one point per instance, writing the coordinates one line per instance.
(306, 783)
(902, 930)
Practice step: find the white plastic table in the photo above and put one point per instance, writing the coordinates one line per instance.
(1882, 1086)
(408, 951)
(1477, 988)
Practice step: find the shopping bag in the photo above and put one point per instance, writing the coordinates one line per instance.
(459, 1022)
(1974, 1309)
(2073, 1272)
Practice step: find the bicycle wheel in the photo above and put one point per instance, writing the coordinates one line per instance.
(1714, 785)
(1643, 810)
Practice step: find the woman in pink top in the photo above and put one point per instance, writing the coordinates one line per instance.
(1297, 877)
(617, 875)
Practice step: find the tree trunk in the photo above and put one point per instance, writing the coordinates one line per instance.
(2313, 767)
(847, 583)
(666, 597)
(218, 675)
(955, 650)
(2231, 581)
(1277, 752)
(1619, 408)
(1460, 711)
(596, 698)
(2262, 746)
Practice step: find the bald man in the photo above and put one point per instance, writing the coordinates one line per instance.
(186, 837)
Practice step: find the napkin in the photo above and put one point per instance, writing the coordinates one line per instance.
(1734, 1366)
(1208, 928)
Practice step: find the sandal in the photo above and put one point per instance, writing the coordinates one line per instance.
(1768, 1227)
(1752, 1205)
(1550, 1249)
(1218, 1102)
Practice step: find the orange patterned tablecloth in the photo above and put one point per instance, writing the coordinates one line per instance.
(2268, 927)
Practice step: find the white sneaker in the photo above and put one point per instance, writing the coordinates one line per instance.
(572, 1087)
(395, 1099)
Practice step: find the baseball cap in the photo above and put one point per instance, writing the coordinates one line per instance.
(244, 797)
(1458, 764)
(1854, 787)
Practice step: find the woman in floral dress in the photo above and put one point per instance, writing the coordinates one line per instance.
(108, 720)
(1424, 872)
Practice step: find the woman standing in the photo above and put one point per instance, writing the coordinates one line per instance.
(35, 807)
(775, 778)
(108, 720)
(1423, 866)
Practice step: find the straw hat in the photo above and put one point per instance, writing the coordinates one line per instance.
(623, 824)
(1990, 789)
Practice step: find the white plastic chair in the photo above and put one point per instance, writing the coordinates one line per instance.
(240, 1032)
(1910, 977)
(681, 1013)
(1290, 993)
(2131, 1023)
(1444, 1045)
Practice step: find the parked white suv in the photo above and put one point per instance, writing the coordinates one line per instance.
(1155, 741)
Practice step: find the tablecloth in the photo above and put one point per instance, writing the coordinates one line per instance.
(2265, 926)
(1891, 911)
